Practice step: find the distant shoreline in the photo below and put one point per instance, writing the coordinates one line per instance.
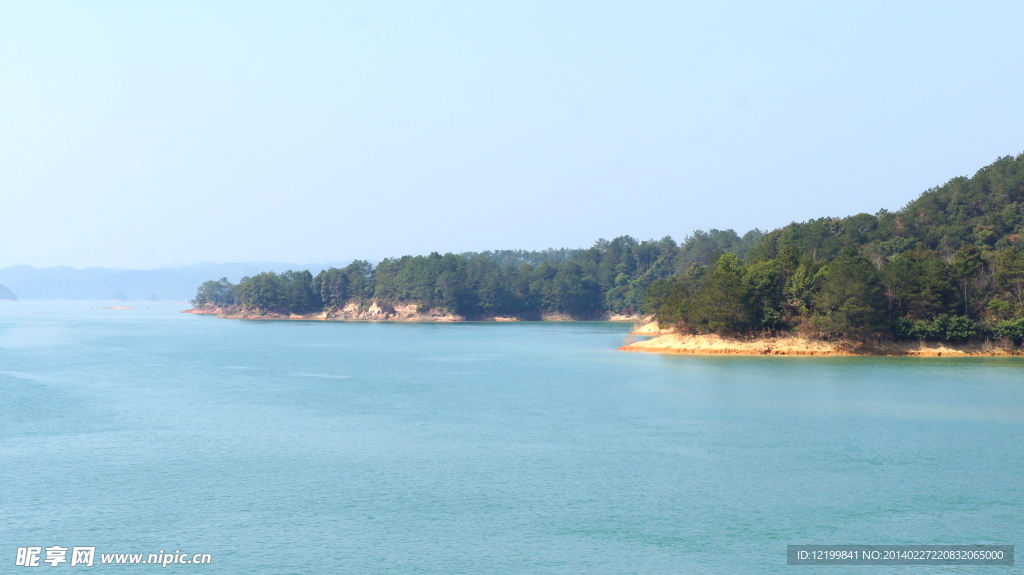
(712, 344)
(378, 311)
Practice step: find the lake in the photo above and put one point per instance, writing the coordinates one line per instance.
(374, 448)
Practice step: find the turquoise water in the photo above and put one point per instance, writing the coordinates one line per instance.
(306, 447)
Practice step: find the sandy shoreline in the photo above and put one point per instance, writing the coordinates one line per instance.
(662, 341)
(712, 344)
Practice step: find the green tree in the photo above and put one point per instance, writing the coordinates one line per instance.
(261, 292)
(218, 293)
(919, 285)
(766, 281)
(850, 300)
(967, 264)
(297, 294)
(1010, 273)
(723, 303)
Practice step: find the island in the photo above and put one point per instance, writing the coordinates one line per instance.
(942, 276)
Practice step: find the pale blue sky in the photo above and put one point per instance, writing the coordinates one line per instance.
(145, 134)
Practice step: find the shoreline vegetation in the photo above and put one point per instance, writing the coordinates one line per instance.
(607, 280)
(944, 275)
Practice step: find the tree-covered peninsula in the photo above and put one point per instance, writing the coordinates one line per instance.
(611, 277)
(947, 266)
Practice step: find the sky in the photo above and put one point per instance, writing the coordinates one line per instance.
(147, 134)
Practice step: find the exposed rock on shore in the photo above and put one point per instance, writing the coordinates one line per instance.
(376, 311)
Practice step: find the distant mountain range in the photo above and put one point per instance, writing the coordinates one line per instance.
(172, 283)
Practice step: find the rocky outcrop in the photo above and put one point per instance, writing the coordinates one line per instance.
(208, 309)
(377, 311)
(383, 311)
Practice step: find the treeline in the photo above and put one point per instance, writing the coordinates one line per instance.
(947, 266)
(612, 276)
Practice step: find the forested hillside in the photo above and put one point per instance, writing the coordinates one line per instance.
(946, 266)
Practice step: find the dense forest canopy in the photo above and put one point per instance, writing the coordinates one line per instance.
(948, 265)
(612, 276)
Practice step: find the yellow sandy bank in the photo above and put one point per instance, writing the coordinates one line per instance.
(711, 344)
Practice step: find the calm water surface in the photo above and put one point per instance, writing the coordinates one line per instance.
(306, 447)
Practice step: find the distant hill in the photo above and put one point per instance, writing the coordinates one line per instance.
(172, 283)
(7, 294)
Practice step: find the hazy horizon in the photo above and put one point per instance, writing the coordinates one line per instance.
(138, 136)
(180, 266)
